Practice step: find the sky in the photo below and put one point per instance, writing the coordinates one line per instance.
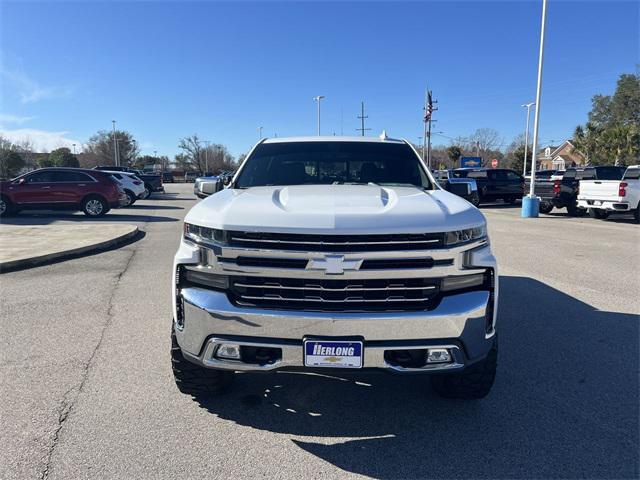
(166, 70)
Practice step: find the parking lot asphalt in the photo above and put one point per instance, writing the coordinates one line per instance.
(86, 389)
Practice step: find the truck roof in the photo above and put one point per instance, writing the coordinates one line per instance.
(332, 138)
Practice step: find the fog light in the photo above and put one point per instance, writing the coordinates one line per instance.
(438, 355)
(228, 350)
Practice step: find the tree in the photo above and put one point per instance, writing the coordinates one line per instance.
(515, 154)
(101, 145)
(11, 163)
(612, 133)
(454, 152)
(62, 157)
(212, 157)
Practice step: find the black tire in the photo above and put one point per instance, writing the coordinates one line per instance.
(598, 213)
(473, 383)
(636, 214)
(545, 207)
(6, 207)
(511, 200)
(131, 198)
(194, 380)
(95, 206)
(475, 199)
(147, 192)
(573, 210)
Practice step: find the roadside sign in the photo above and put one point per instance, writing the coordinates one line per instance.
(494, 163)
(473, 162)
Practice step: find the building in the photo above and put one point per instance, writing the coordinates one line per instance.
(561, 157)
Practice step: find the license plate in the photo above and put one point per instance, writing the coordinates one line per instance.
(333, 354)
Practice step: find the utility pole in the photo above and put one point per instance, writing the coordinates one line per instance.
(206, 153)
(526, 137)
(259, 133)
(362, 116)
(318, 99)
(74, 148)
(115, 145)
(428, 119)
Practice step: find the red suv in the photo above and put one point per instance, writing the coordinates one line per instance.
(91, 191)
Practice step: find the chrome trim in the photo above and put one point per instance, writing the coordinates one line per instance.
(325, 289)
(306, 242)
(324, 300)
(292, 356)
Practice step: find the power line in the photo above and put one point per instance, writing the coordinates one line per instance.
(362, 117)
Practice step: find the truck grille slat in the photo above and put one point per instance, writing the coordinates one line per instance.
(335, 295)
(335, 243)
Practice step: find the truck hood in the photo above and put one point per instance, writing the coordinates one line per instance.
(349, 209)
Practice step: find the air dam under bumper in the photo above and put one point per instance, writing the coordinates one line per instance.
(209, 318)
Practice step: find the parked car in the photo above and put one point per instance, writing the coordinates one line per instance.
(132, 185)
(544, 187)
(91, 191)
(565, 191)
(205, 186)
(335, 253)
(167, 177)
(601, 197)
(495, 183)
(152, 181)
(190, 177)
(466, 188)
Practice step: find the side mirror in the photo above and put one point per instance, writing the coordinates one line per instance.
(226, 180)
(219, 185)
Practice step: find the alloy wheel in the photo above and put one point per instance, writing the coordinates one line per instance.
(94, 207)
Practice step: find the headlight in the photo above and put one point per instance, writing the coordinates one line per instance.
(196, 233)
(464, 236)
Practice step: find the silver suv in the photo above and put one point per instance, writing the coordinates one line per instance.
(335, 253)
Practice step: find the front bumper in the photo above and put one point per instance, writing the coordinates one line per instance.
(459, 323)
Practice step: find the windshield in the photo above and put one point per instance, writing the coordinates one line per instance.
(326, 163)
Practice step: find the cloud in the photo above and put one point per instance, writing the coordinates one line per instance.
(31, 91)
(15, 119)
(42, 140)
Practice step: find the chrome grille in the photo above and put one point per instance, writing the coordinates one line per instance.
(334, 295)
(335, 243)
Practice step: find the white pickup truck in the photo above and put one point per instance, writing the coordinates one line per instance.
(335, 253)
(601, 197)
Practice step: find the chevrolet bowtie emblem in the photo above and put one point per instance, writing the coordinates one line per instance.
(334, 264)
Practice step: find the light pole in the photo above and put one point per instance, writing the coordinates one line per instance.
(530, 203)
(526, 137)
(318, 99)
(74, 148)
(259, 133)
(115, 145)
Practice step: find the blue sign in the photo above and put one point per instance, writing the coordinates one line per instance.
(470, 162)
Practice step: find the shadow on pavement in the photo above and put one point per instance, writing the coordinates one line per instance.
(565, 403)
(45, 218)
(137, 206)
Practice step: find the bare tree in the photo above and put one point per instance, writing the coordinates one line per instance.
(28, 154)
(101, 145)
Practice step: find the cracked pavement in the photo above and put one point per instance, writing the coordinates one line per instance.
(86, 389)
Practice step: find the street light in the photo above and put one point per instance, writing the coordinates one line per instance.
(526, 137)
(115, 145)
(259, 133)
(531, 203)
(317, 99)
(74, 148)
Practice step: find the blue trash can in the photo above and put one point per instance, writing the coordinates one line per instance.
(530, 207)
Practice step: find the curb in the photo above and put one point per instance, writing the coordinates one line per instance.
(23, 263)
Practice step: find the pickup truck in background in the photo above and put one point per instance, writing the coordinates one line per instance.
(466, 188)
(601, 197)
(494, 183)
(330, 254)
(544, 187)
(152, 181)
(565, 191)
